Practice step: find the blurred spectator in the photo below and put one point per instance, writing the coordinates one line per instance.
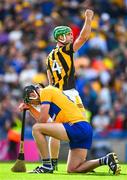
(101, 121)
(89, 99)
(5, 115)
(27, 75)
(14, 137)
(104, 98)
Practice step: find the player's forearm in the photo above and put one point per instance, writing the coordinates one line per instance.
(49, 77)
(50, 82)
(86, 30)
(40, 117)
(35, 113)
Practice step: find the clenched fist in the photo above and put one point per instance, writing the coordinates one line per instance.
(23, 106)
(89, 14)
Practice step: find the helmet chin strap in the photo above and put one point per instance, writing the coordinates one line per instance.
(64, 40)
(34, 98)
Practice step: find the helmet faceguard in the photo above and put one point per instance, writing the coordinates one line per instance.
(27, 95)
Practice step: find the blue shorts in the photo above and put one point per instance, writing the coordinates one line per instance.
(80, 134)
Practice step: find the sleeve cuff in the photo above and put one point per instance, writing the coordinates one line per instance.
(46, 102)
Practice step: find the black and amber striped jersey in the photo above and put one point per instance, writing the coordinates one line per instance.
(60, 63)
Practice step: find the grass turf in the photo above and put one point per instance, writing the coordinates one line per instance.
(101, 172)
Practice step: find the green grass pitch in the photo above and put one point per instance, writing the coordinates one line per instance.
(100, 174)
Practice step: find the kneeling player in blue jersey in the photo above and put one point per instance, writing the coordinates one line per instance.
(68, 125)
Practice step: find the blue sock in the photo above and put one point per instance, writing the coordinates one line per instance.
(47, 162)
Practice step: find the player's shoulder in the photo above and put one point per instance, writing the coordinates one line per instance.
(50, 91)
(50, 54)
(46, 91)
(49, 57)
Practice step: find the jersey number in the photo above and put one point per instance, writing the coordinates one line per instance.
(56, 67)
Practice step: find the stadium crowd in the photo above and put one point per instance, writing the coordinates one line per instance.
(101, 64)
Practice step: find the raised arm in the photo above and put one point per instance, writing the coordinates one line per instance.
(85, 32)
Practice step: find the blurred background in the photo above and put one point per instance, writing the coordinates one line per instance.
(101, 69)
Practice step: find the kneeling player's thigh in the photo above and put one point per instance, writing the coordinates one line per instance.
(55, 130)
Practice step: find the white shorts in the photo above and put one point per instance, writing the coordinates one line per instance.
(73, 95)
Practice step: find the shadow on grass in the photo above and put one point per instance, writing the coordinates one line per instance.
(90, 174)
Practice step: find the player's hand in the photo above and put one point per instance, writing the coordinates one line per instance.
(89, 14)
(23, 106)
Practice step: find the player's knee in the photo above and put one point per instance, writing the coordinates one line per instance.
(71, 169)
(35, 129)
